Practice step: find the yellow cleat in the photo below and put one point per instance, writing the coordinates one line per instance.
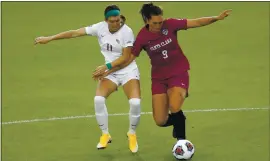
(133, 145)
(103, 141)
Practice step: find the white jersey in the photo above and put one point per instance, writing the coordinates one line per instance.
(112, 45)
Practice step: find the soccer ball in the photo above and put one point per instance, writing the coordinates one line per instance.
(183, 150)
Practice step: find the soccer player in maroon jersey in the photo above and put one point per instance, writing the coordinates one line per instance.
(170, 77)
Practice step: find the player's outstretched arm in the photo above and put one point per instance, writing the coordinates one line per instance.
(62, 35)
(199, 22)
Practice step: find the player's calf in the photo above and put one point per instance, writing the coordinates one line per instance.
(134, 114)
(179, 125)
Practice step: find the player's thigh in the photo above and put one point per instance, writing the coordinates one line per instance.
(178, 90)
(105, 87)
(132, 89)
(131, 84)
(176, 98)
(160, 108)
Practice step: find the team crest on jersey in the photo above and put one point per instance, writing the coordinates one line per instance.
(118, 41)
(165, 31)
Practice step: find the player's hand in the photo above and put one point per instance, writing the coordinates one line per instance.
(100, 77)
(224, 14)
(100, 70)
(42, 40)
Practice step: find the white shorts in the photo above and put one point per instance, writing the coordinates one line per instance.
(122, 79)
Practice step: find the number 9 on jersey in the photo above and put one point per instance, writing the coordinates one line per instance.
(164, 53)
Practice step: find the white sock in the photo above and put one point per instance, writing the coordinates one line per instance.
(101, 114)
(134, 114)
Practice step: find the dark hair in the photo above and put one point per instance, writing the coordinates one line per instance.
(123, 18)
(148, 10)
(111, 7)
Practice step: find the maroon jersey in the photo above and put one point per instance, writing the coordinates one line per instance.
(166, 55)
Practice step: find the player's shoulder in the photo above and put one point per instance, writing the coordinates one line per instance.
(169, 20)
(126, 28)
(143, 31)
(101, 25)
(98, 24)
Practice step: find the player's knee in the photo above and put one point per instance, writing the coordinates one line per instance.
(135, 106)
(175, 109)
(160, 122)
(99, 100)
(135, 102)
(99, 105)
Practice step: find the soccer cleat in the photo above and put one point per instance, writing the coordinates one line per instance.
(103, 141)
(132, 140)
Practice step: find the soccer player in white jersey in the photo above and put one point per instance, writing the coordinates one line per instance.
(115, 39)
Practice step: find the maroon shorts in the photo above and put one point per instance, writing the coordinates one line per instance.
(161, 86)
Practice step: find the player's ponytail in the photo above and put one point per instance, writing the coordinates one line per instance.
(148, 10)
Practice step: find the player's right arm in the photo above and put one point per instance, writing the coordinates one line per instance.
(91, 30)
(63, 35)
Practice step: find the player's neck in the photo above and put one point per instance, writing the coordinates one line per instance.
(150, 29)
(112, 32)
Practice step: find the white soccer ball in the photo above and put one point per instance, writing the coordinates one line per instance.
(183, 150)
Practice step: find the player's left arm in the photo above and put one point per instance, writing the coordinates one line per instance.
(203, 21)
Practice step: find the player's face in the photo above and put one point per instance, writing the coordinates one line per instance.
(114, 23)
(155, 23)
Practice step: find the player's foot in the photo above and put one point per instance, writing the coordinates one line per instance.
(133, 145)
(103, 141)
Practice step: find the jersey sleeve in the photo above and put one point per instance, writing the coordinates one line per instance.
(137, 47)
(178, 24)
(128, 38)
(92, 30)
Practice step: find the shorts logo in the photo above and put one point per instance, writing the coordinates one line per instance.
(165, 31)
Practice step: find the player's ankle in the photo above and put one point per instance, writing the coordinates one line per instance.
(131, 131)
(105, 131)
